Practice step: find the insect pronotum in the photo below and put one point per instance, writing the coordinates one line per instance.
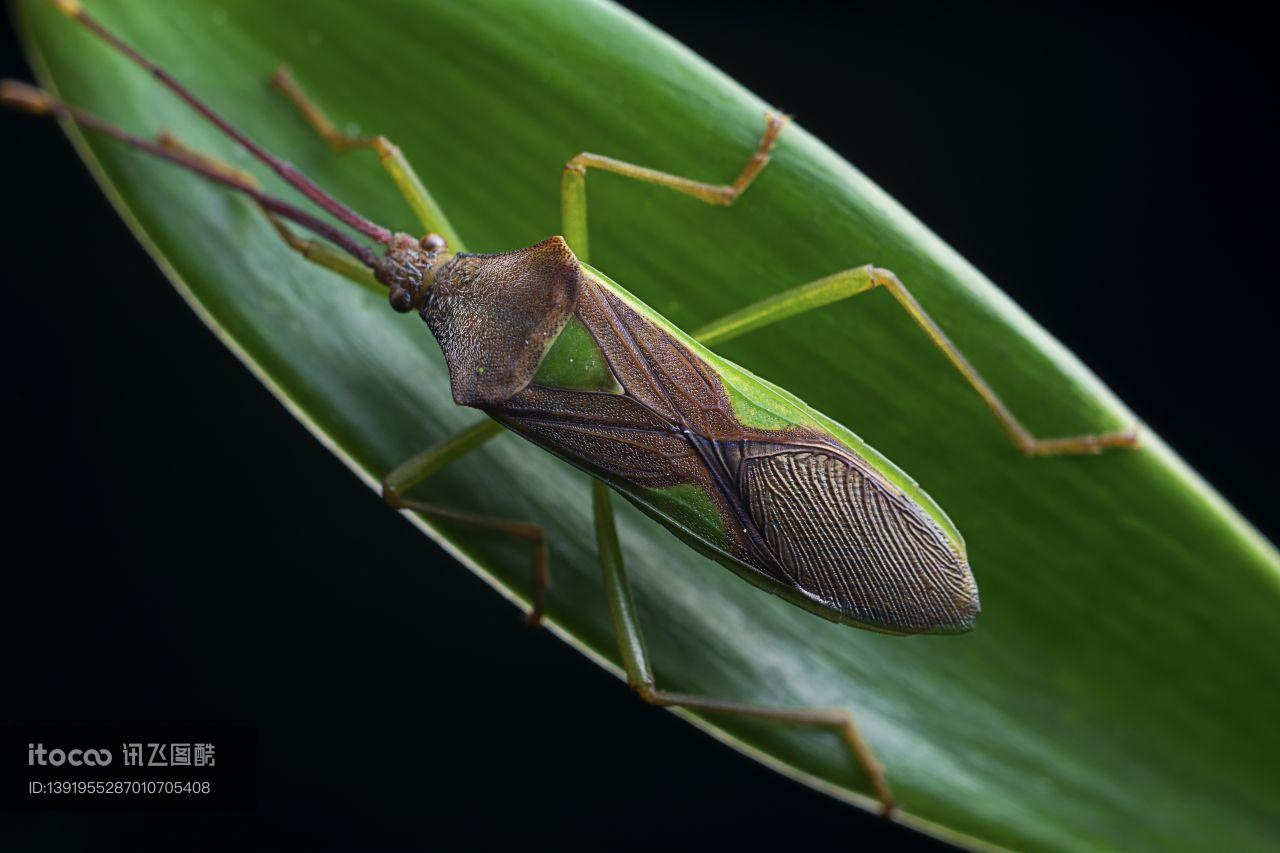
(553, 350)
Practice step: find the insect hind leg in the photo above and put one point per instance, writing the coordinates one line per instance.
(858, 280)
(635, 661)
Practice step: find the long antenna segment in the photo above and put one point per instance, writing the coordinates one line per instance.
(284, 169)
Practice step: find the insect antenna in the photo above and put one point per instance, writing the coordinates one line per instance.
(284, 169)
(33, 100)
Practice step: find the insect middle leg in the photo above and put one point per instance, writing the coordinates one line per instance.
(573, 183)
(430, 461)
(852, 282)
(635, 661)
(429, 213)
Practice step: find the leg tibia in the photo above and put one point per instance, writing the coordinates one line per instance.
(831, 720)
(851, 282)
(635, 661)
(1018, 434)
(421, 467)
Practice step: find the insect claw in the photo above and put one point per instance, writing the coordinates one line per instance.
(21, 96)
(774, 124)
(282, 76)
(1130, 438)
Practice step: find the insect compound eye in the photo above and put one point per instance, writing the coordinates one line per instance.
(432, 243)
(401, 300)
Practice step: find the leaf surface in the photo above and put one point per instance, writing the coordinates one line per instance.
(1118, 691)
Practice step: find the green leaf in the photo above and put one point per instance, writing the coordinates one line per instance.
(1119, 688)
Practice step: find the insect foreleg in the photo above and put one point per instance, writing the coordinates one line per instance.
(325, 256)
(313, 250)
(635, 661)
(284, 169)
(429, 213)
(573, 183)
(20, 96)
(851, 282)
(419, 468)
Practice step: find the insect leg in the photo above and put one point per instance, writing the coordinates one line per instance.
(417, 469)
(429, 213)
(313, 250)
(573, 183)
(27, 98)
(285, 170)
(852, 282)
(635, 661)
(780, 306)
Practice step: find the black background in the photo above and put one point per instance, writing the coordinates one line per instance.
(1113, 170)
